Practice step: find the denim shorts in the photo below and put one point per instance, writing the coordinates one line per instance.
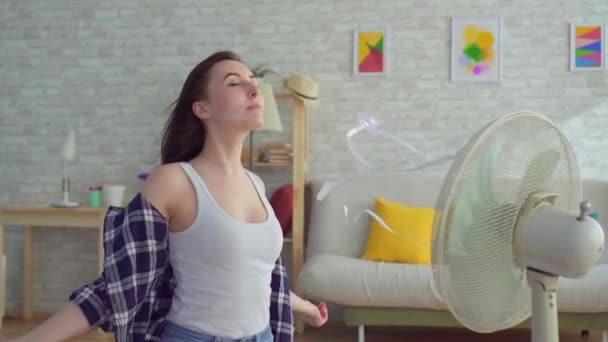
(176, 333)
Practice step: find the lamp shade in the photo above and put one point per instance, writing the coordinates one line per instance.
(272, 119)
(68, 152)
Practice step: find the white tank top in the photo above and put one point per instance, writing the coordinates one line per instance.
(222, 267)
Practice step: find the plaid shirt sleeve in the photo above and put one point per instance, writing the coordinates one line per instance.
(281, 315)
(94, 303)
(136, 254)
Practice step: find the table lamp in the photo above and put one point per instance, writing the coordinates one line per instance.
(68, 154)
(272, 119)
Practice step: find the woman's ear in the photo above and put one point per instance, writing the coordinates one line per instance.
(200, 110)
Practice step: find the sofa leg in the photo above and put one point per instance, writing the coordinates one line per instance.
(362, 333)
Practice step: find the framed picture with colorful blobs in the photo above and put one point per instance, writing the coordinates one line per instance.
(370, 49)
(476, 54)
(587, 47)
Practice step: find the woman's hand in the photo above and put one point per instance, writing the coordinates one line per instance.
(315, 315)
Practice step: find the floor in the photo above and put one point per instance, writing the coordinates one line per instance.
(334, 332)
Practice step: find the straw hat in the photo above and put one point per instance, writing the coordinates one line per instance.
(304, 86)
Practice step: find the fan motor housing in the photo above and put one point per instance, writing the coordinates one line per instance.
(559, 244)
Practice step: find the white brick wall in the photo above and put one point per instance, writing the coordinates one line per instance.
(111, 68)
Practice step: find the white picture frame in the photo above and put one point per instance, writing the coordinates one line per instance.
(370, 63)
(589, 39)
(472, 57)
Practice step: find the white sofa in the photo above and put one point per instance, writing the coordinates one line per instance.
(380, 293)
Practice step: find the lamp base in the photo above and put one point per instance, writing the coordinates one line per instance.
(64, 204)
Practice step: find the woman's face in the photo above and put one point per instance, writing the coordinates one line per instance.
(233, 98)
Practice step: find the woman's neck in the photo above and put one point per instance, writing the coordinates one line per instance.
(224, 152)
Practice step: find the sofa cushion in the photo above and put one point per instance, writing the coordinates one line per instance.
(411, 240)
(356, 282)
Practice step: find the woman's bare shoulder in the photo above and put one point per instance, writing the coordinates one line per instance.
(163, 186)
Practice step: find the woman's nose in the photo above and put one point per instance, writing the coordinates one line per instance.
(253, 90)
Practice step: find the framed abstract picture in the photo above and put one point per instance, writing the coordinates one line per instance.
(370, 48)
(476, 54)
(587, 47)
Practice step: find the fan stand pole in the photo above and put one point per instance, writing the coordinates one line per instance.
(544, 306)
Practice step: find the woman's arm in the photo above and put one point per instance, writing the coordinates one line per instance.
(67, 323)
(315, 315)
(298, 304)
(88, 307)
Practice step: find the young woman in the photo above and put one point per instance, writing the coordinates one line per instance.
(196, 255)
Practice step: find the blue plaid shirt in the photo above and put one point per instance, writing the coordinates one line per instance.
(133, 294)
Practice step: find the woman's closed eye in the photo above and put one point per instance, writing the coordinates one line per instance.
(234, 84)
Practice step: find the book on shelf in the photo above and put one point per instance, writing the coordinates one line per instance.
(276, 153)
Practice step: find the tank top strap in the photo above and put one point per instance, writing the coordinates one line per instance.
(256, 183)
(195, 179)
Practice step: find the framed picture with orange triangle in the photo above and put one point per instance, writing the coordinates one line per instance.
(587, 46)
(370, 51)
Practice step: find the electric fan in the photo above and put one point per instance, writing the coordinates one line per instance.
(509, 221)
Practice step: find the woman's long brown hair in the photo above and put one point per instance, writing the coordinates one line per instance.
(184, 133)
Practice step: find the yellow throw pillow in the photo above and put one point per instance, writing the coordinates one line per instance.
(417, 223)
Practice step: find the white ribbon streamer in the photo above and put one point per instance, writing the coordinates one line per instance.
(370, 125)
